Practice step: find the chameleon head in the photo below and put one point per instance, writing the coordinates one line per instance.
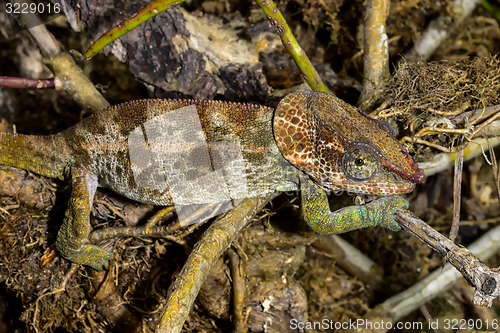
(340, 147)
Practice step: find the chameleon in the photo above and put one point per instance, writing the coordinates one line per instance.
(312, 141)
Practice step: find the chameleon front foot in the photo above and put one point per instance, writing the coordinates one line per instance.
(72, 240)
(87, 254)
(382, 210)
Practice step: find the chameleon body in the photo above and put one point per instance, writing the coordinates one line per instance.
(312, 141)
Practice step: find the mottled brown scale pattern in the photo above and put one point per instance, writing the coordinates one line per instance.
(250, 126)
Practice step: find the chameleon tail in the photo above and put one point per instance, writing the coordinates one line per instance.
(43, 155)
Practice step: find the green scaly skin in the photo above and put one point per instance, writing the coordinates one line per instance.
(318, 216)
(72, 240)
(316, 137)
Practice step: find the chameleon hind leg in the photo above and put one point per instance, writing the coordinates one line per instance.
(72, 240)
(318, 216)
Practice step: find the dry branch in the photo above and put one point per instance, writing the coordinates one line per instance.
(376, 54)
(434, 284)
(486, 281)
(209, 248)
(439, 29)
(65, 69)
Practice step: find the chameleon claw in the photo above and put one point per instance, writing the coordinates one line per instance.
(387, 206)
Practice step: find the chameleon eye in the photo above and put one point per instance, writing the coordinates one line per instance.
(360, 164)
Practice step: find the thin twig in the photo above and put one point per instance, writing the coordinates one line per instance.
(436, 130)
(474, 115)
(440, 162)
(239, 292)
(25, 83)
(496, 169)
(457, 195)
(142, 231)
(150, 10)
(63, 66)
(161, 215)
(428, 317)
(292, 46)
(485, 124)
(44, 39)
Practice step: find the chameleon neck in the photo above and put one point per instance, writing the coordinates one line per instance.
(45, 155)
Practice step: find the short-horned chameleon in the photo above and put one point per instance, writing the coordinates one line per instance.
(312, 141)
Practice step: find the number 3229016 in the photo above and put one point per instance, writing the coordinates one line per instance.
(460, 324)
(32, 8)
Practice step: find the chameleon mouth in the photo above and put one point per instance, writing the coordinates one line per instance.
(374, 187)
(405, 167)
(416, 176)
(381, 189)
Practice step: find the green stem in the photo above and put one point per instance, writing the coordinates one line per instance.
(151, 10)
(494, 10)
(292, 46)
